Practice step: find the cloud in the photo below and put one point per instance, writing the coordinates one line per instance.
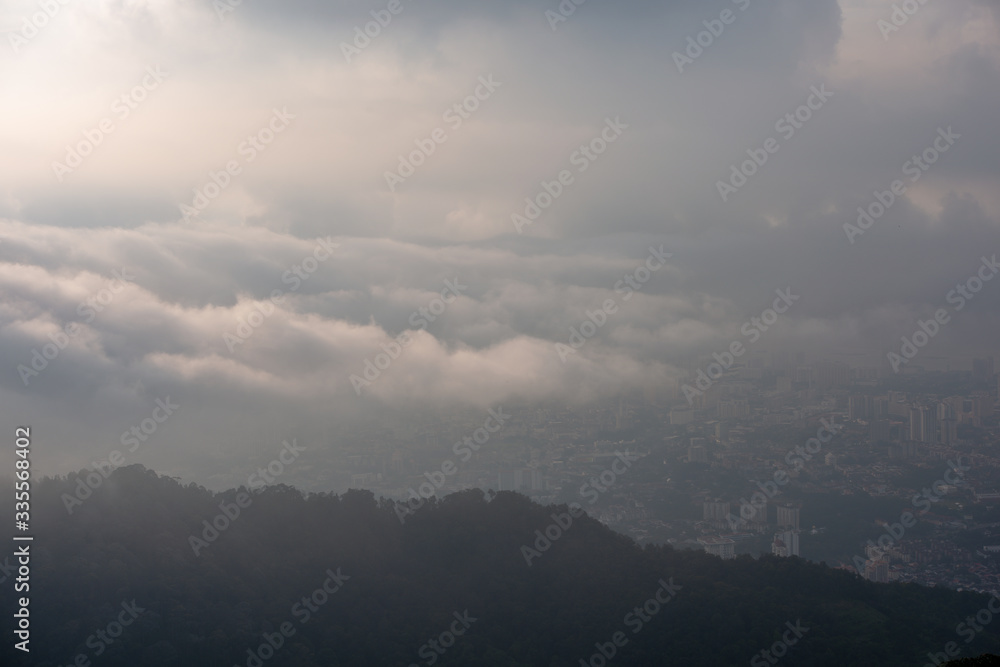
(350, 122)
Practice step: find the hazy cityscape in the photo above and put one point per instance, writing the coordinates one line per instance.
(708, 473)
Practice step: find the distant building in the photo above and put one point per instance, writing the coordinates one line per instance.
(860, 407)
(754, 513)
(880, 407)
(949, 431)
(681, 416)
(948, 422)
(697, 454)
(719, 546)
(929, 424)
(524, 479)
(778, 547)
(899, 408)
(829, 374)
(786, 544)
(788, 517)
(982, 407)
(877, 571)
(924, 424)
(365, 479)
(715, 511)
(734, 409)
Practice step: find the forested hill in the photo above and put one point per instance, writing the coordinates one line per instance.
(324, 580)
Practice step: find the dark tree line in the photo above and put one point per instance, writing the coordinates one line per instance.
(405, 581)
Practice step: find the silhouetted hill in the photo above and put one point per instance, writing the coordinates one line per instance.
(454, 565)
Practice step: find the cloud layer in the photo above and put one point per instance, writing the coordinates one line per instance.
(132, 148)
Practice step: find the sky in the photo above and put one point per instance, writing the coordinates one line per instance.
(239, 207)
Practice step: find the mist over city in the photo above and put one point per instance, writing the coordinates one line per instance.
(550, 307)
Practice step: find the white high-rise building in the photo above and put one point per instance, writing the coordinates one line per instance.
(788, 517)
(786, 543)
(719, 546)
(715, 511)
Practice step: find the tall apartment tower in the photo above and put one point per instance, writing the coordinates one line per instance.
(924, 424)
(877, 571)
(715, 510)
(860, 407)
(788, 517)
